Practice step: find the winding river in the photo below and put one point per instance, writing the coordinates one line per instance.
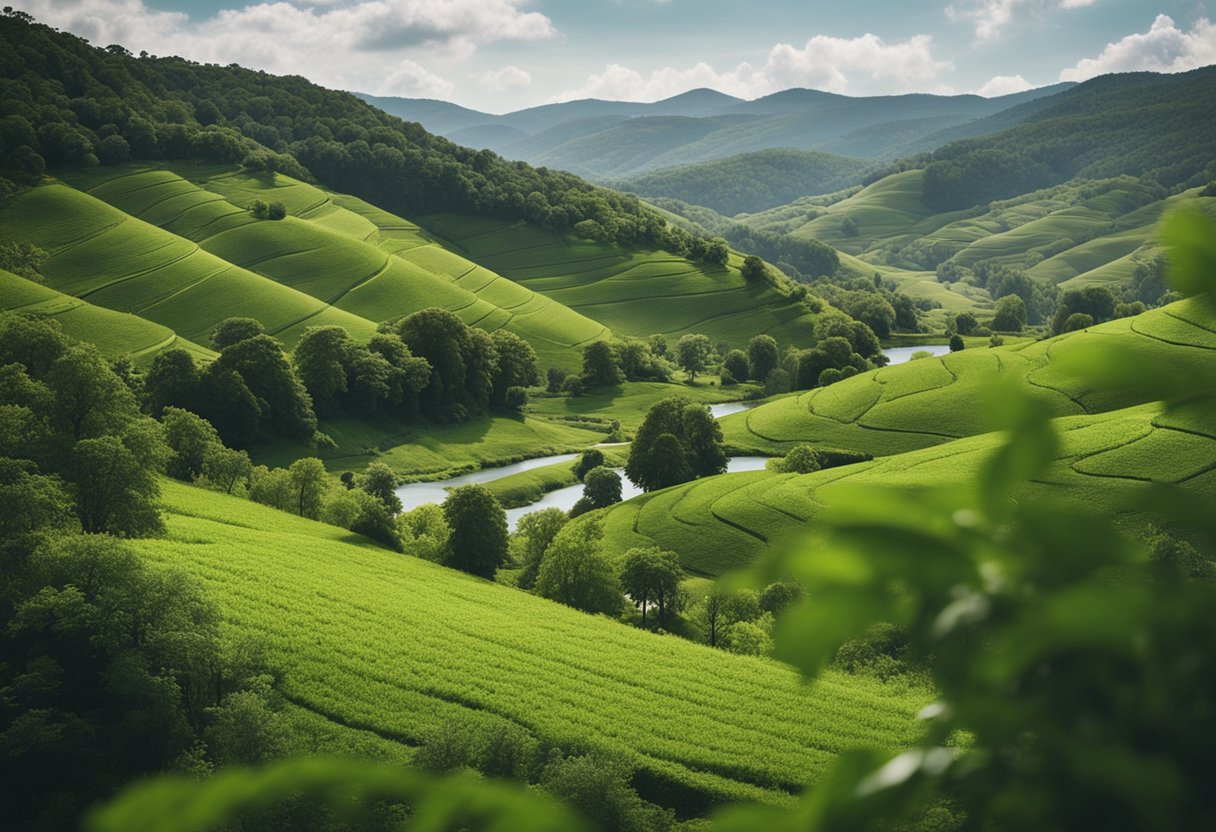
(419, 493)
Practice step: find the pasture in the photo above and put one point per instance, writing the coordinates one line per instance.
(372, 643)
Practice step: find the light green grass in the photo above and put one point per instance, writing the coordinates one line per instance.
(402, 648)
(116, 334)
(636, 292)
(933, 400)
(724, 522)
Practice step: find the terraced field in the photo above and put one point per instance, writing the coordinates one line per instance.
(116, 334)
(436, 647)
(933, 400)
(337, 249)
(724, 522)
(634, 292)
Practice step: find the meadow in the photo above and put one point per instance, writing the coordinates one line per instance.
(933, 400)
(723, 523)
(377, 644)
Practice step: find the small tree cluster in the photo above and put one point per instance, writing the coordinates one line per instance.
(678, 441)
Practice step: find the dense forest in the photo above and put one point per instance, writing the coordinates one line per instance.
(64, 102)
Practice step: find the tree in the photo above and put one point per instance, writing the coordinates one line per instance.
(1148, 280)
(753, 269)
(554, 377)
(602, 487)
(708, 614)
(964, 323)
(172, 381)
(588, 459)
(234, 330)
(701, 437)
(600, 368)
(956, 343)
(380, 481)
(225, 468)
(872, 309)
(115, 482)
(575, 572)
(801, 459)
(1077, 321)
(717, 251)
(462, 364)
(23, 259)
(190, 439)
(533, 534)
(1009, 314)
(734, 366)
(321, 358)
(516, 364)
(478, 540)
(89, 399)
(309, 482)
(762, 357)
(263, 366)
(849, 227)
(1095, 301)
(651, 575)
(693, 354)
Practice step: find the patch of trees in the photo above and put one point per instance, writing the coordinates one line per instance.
(69, 103)
(876, 302)
(1081, 308)
(609, 363)
(843, 348)
(967, 175)
(678, 441)
(1038, 297)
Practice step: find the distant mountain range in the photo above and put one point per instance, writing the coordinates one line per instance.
(610, 140)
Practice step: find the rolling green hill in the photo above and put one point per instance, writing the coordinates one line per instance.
(116, 334)
(377, 643)
(751, 182)
(636, 292)
(932, 400)
(724, 522)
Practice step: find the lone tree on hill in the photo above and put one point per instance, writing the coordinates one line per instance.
(693, 354)
(753, 269)
(600, 367)
(478, 540)
(762, 357)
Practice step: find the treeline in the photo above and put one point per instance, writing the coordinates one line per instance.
(69, 103)
(1156, 127)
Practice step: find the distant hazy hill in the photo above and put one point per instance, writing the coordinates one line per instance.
(751, 182)
(616, 139)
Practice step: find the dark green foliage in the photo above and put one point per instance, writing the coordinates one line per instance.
(478, 541)
(1077, 321)
(1148, 281)
(1009, 314)
(652, 575)
(463, 364)
(753, 269)
(762, 356)
(262, 365)
(533, 534)
(234, 330)
(735, 365)
(676, 442)
(694, 352)
(1096, 302)
(516, 366)
(778, 595)
(554, 379)
(965, 323)
(341, 374)
(172, 381)
(190, 439)
(598, 786)
(380, 481)
(601, 487)
(22, 259)
(588, 459)
(974, 177)
(956, 343)
(874, 311)
(600, 367)
(307, 482)
(849, 227)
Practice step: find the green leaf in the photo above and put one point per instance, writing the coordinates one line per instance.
(1189, 237)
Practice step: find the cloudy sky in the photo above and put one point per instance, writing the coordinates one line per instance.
(501, 55)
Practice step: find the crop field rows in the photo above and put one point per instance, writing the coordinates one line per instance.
(439, 647)
(932, 400)
(733, 517)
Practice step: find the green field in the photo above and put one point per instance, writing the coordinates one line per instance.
(388, 645)
(724, 522)
(637, 292)
(933, 400)
(116, 334)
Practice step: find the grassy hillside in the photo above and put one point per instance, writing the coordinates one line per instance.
(751, 182)
(724, 522)
(116, 334)
(933, 400)
(400, 648)
(635, 292)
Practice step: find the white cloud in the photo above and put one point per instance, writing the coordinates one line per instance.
(506, 78)
(991, 16)
(339, 43)
(1163, 48)
(1004, 85)
(826, 63)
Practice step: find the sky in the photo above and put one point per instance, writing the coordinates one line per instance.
(504, 55)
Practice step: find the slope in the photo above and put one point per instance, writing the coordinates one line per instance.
(638, 292)
(401, 648)
(724, 522)
(932, 400)
(116, 334)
